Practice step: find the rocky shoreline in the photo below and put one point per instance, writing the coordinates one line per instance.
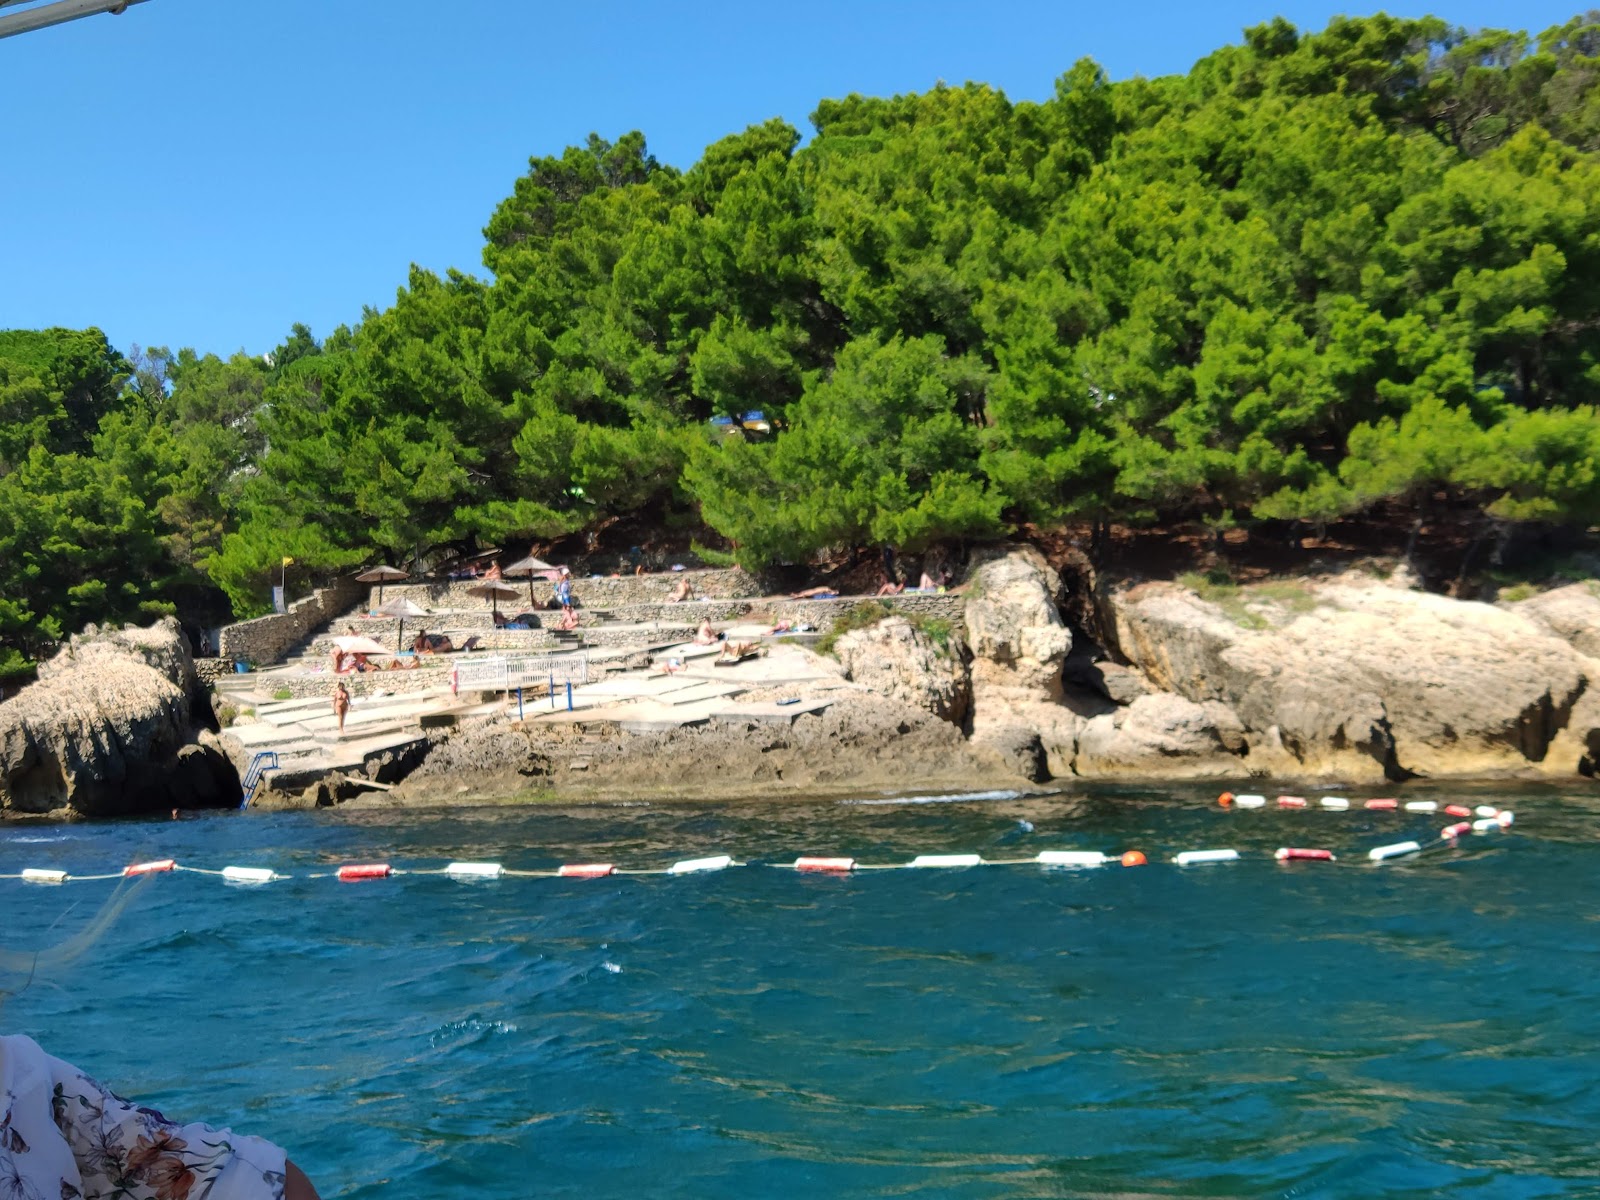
(1350, 678)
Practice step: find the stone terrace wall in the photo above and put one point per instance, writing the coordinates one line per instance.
(265, 639)
(607, 591)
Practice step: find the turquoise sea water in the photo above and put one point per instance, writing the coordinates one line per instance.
(1423, 1028)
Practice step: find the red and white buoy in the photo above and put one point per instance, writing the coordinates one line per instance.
(359, 871)
(155, 867)
(820, 865)
(587, 870)
(1292, 853)
(1382, 805)
(1291, 801)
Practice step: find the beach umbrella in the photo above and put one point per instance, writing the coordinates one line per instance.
(529, 567)
(358, 644)
(495, 592)
(381, 576)
(402, 608)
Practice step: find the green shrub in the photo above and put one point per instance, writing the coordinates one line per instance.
(712, 558)
(861, 616)
(1517, 591)
(283, 694)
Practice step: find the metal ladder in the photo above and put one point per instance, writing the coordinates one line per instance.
(264, 761)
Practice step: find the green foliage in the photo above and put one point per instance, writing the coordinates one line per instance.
(713, 558)
(864, 615)
(1320, 272)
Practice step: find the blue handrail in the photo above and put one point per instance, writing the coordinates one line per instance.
(264, 761)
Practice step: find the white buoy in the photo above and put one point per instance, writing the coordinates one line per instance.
(40, 875)
(1507, 818)
(1189, 858)
(1072, 858)
(1486, 825)
(1335, 802)
(474, 870)
(1486, 810)
(1423, 806)
(689, 866)
(248, 874)
(946, 860)
(1249, 801)
(1379, 853)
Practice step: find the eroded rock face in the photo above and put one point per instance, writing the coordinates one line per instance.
(1019, 644)
(1570, 613)
(896, 659)
(1373, 681)
(109, 729)
(1162, 735)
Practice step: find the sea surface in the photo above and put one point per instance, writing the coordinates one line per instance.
(1419, 1028)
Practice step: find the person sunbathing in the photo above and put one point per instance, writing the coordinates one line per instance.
(734, 651)
(816, 593)
(437, 644)
(493, 573)
(569, 619)
(684, 591)
(705, 635)
(888, 587)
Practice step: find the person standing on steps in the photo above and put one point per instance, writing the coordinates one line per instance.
(341, 704)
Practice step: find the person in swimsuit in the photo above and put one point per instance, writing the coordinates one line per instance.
(341, 704)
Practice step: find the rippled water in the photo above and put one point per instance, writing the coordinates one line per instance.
(1421, 1028)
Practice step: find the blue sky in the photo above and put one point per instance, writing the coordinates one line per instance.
(205, 172)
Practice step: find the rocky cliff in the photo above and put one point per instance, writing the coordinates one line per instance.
(113, 726)
(1347, 677)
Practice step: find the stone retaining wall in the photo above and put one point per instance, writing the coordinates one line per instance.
(265, 639)
(606, 591)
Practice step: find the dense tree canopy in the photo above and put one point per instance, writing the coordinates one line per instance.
(1319, 272)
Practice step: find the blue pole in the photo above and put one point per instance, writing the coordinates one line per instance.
(519, 704)
(552, 689)
(569, 695)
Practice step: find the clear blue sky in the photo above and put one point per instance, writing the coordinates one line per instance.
(205, 172)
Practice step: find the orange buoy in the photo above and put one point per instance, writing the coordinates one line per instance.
(1134, 858)
(150, 868)
(1225, 799)
(1382, 805)
(1297, 853)
(359, 871)
(1451, 832)
(1291, 801)
(1458, 810)
(586, 870)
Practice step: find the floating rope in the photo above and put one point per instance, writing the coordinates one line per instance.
(1070, 859)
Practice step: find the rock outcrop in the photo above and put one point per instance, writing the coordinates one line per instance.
(1356, 679)
(113, 726)
(896, 659)
(1165, 736)
(1019, 644)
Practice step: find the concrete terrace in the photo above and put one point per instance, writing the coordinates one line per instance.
(634, 664)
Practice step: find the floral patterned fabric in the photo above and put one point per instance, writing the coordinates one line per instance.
(64, 1137)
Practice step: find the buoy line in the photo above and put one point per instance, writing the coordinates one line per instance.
(1250, 800)
(806, 864)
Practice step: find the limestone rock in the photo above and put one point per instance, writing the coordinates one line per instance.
(109, 729)
(1571, 613)
(1012, 614)
(1162, 735)
(1018, 749)
(487, 749)
(1019, 645)
(896, 659)
(1372, 682)
(1119, 684)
